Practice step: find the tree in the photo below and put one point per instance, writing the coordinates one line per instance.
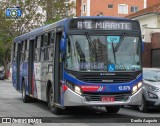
(10, 28)
(57, 9)
(35, 14)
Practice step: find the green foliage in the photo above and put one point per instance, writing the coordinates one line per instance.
(56, 10)
(10, 28)
(35, 14)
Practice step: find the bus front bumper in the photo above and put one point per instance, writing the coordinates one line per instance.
(73, 99)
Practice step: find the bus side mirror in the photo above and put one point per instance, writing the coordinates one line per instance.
(142, 46)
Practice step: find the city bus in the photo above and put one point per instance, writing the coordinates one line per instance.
(83, 61)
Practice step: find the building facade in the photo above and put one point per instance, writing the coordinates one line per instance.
(152, 2)
(119, 8)
(149, 19)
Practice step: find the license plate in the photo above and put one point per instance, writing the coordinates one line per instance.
(108, 98)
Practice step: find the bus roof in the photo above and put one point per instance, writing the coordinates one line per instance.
(62, 22)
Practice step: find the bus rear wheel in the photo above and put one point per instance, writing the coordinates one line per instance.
(112, 109)
(25, 97)
(52, 107)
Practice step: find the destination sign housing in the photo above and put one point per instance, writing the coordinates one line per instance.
(102, 24)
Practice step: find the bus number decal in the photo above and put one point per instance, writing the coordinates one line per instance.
(124, 88)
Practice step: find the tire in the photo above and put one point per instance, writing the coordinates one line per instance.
(53, 109)
(25, 97)
(143, 107)
(112, 109)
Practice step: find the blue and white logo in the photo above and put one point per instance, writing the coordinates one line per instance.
(111, 67)
(108, 88)
(13, 12)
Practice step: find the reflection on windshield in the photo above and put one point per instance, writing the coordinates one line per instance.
(151, 75)
(96, 53)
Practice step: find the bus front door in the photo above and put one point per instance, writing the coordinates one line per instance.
(57, 70)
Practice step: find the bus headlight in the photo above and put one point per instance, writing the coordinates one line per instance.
(77, 89)
(136, 87)
(74, 88)
(139, 84)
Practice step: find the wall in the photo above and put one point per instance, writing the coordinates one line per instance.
(148, 34)
(78, 8)
(97, 6)
(146, 55)
(152, 2)
(155, 40)
(151, 20)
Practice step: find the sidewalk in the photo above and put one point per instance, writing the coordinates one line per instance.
(8, 80)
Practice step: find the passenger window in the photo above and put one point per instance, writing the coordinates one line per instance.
(49, 37)
(25, 44)
(45, 39)
(35, 43)
(42, 41)
(39, 42)
(52, 39)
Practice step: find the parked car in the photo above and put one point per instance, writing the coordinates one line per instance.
(2, 73)
(151, 89)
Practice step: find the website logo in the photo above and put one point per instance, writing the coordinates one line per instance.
(13, 13)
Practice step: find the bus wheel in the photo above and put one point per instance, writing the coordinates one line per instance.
(112, 109)
(25, 97)
(54, 109)
(143, 107)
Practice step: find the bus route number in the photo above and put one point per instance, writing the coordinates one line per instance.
(124, 88)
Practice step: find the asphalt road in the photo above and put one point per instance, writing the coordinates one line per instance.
(11, 105)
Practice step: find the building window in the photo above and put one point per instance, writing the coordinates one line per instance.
(123, 9)
(134, 9)
(84, 8)
(110, 5)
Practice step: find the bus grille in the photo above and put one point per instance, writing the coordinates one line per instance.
(119, 97)
(107, 79)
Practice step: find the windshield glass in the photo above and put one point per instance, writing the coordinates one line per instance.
(151, 75)
(102, 53)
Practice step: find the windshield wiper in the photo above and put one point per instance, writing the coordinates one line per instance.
(90, 43)
(115, 49)
(120, 42)
(114, 54)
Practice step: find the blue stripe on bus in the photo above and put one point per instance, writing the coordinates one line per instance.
(113, 87)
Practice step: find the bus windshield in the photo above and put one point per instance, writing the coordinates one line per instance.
(103, 53)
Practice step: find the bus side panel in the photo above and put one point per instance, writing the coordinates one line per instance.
(43, 80)
(37, 78)
(24, 69)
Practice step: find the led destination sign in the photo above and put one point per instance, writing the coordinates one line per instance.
(105, 25)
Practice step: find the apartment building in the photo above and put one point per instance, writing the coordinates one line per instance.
(119, 8)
